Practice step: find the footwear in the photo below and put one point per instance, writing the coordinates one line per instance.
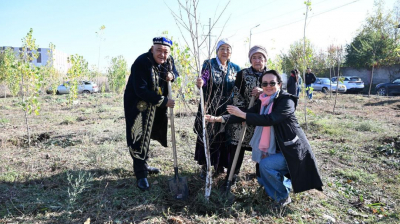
(225, 184)
(282, 203)
(152, 170)
(143, 184)
(203, 172)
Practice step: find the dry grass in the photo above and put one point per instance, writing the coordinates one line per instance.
(78, 167)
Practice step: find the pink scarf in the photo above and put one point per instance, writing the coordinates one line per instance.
(266, 131)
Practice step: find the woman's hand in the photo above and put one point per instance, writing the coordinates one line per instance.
(169, 77)
(212, 119)
(256, 91)
(236, 111)
(199, 83)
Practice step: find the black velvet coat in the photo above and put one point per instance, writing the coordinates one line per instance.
(290, 140)
(145, 102)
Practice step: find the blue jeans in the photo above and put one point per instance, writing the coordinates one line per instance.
(309, 92)
(272, 171)
(298, 91)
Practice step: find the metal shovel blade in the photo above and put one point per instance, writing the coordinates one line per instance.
(179, 187)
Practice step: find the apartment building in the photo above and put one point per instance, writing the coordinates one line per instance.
(60, 62)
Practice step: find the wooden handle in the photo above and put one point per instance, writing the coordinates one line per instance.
(239, 146)
(171, 118)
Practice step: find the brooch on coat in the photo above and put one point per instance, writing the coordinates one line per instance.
(142, 106)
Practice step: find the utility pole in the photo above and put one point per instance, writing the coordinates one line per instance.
(250, 36)
(308, 3)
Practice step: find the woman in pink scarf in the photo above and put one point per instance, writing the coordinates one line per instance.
(278, 144)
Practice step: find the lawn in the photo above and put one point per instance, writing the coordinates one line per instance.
(78, 167)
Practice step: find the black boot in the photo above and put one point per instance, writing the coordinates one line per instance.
(152, 170)
(258, 170)
(143, 184)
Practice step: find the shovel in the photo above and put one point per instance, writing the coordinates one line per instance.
(227, 188)
(177, 185)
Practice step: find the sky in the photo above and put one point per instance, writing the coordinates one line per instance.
(132, 24)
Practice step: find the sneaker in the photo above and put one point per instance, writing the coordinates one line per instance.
(282, 203)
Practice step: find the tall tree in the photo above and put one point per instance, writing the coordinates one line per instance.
(187, 19)
(375, 43)
(30, 79)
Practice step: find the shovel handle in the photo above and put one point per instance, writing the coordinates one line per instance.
(239, 146)
(171, 118)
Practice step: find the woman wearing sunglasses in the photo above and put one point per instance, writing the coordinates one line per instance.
(279, 145)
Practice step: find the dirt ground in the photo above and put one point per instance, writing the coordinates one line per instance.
(78, 168)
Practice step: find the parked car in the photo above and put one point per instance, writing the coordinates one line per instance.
(325, 85)
(353, 84)
(391, 88)
(83, 87)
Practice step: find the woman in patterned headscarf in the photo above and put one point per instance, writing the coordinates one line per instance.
(217, 81)
(247, 85)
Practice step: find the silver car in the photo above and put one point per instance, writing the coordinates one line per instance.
(325, 85)
(83, 87)
(352, 83)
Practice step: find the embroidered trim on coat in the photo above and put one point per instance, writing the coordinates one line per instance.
(136, 130)
(144, 146)
(160, 101)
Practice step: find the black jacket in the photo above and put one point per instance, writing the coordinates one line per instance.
(292, 85)
(290, 140)
(310, 78)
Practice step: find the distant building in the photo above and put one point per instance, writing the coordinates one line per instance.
(60, 58)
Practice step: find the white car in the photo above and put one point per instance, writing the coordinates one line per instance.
(83, 87)
(325, 85)
(353, 83)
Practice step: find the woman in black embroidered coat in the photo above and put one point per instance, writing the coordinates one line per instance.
(247, 85)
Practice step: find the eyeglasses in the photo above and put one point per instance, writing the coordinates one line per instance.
(265, 84)
(225, 49)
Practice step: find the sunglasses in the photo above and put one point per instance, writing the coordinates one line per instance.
(265, 84)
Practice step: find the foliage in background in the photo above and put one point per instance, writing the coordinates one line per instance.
(294, 57)
(117, 74)
(51, 76)
(275, 64)
(184, 85)
(8, 73)
(79, 69)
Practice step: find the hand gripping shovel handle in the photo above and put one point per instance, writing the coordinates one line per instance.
(239, 146)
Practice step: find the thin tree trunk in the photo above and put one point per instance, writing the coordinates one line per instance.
(337, 87)
(370, 81)
(25, 111)
(330, 82)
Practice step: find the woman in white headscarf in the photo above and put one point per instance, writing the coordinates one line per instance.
(217, 81)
